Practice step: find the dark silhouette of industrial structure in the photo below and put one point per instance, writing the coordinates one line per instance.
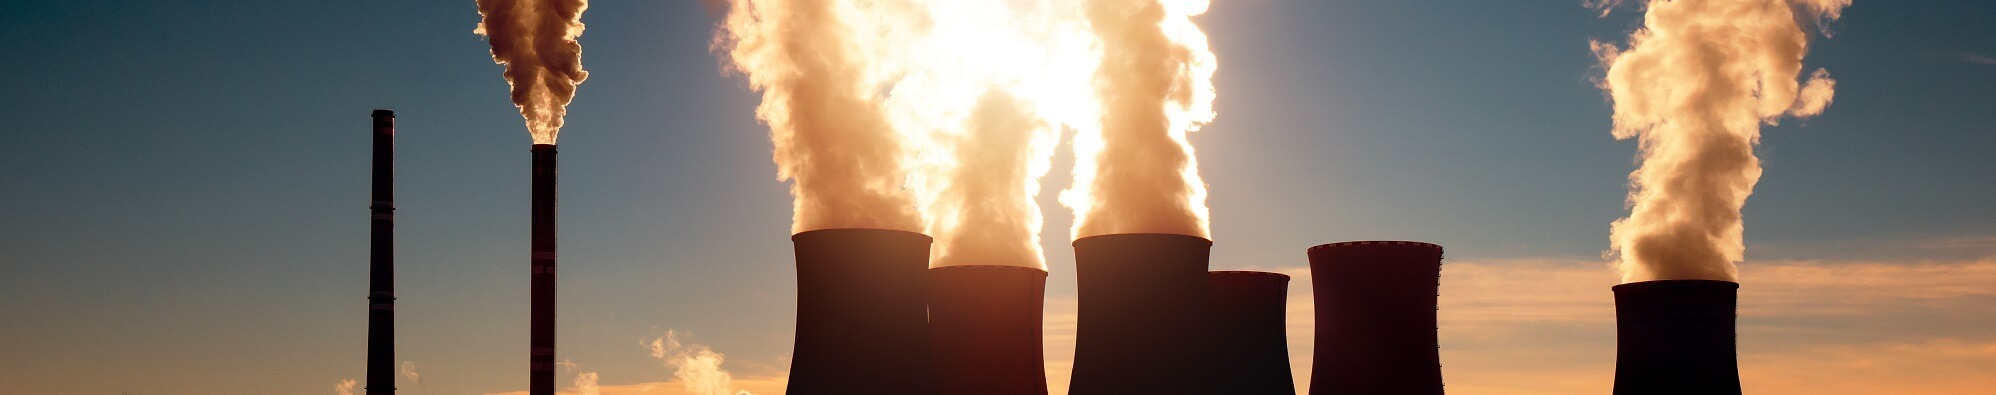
(984, 324)
(862, 325)
(1676, 337)
(1143, 315)
(1250, 346)
(541, 333)
(1376, 305)
(381, 261)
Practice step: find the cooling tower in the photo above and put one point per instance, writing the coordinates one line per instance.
(1143, 316)
(541, 332)
(1376, 318)
(1676, 337)
(381, 261)
(984, 323)
(1251, 348)
(862, 325)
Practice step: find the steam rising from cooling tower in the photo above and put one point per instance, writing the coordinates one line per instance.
(1694, 86)
(1136, 172)
(932, 116)
(535, 40)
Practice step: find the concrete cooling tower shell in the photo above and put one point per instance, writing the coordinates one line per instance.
(1376, 304)
(1676, 337)
(1143, 318)
(1250, 342)
(984, 325)
(862, 325)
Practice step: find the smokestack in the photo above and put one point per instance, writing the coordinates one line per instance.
(1676, 337)
(540, 379)
(1376, 318)
(1251, 354)
(984, 322)
(862, 325)
(1143, 323)
(381, 261)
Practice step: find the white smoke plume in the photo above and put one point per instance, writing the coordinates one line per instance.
(345, 387)
(695, 366)
(1136, 172)
(1694, 86)
(536, 41)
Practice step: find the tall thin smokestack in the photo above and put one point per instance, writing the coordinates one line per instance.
(1143, 318)
(862, 325)
(1676, 337)
(381, 261)
(1376, 318)
(1251, 350)
(984, 322)
(541, 335)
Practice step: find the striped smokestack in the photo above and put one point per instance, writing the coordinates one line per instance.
(381, 261)
(1376, 318)
(1143, 318)
(1676, 337)
(862, 324)
(540, 379)
(1251, 348)
(984, 322)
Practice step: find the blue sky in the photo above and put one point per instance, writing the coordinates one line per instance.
(183, 203)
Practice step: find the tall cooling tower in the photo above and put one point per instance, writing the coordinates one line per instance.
(1676, 337)
(984, 323)
(1376, 318)
(862, 325)
(1143, 325)
(381, 261)
(1251, 347)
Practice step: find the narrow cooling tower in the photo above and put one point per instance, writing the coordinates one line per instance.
(862, 325)
(381, 261)
(1376, 318)
(984, 323)
(1250, 343)
(1676, 337)
(540, 378)
(1143, 325)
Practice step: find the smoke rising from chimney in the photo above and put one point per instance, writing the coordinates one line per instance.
(1694, 85)
(535, 40)
(1136, 173)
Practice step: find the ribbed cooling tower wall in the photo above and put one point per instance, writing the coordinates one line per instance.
(1250, 342)
(1676, 337)
(1143, 319)
(862, 325)
(984, 325)
(1376, 308)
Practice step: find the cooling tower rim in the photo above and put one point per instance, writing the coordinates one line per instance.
(1208, 242)
(1041, 272)
(795, 236)
(543, 146)
(1284, 277)
(1436, 247)
(1640, 286)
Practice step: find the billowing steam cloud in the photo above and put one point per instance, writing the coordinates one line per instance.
(1136, 173)
(934, 116)
(409, 372)
(1694, 86)
(695, 366)
(535, 40)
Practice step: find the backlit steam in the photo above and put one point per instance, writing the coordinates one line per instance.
(535, 40)
(933, 116)
(345, 387)
(696, 367)
(1136, 173)
(1694, 85)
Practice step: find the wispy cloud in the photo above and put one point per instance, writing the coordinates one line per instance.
(1976, 58)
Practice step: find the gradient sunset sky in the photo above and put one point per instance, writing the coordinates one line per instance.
(184, 192)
